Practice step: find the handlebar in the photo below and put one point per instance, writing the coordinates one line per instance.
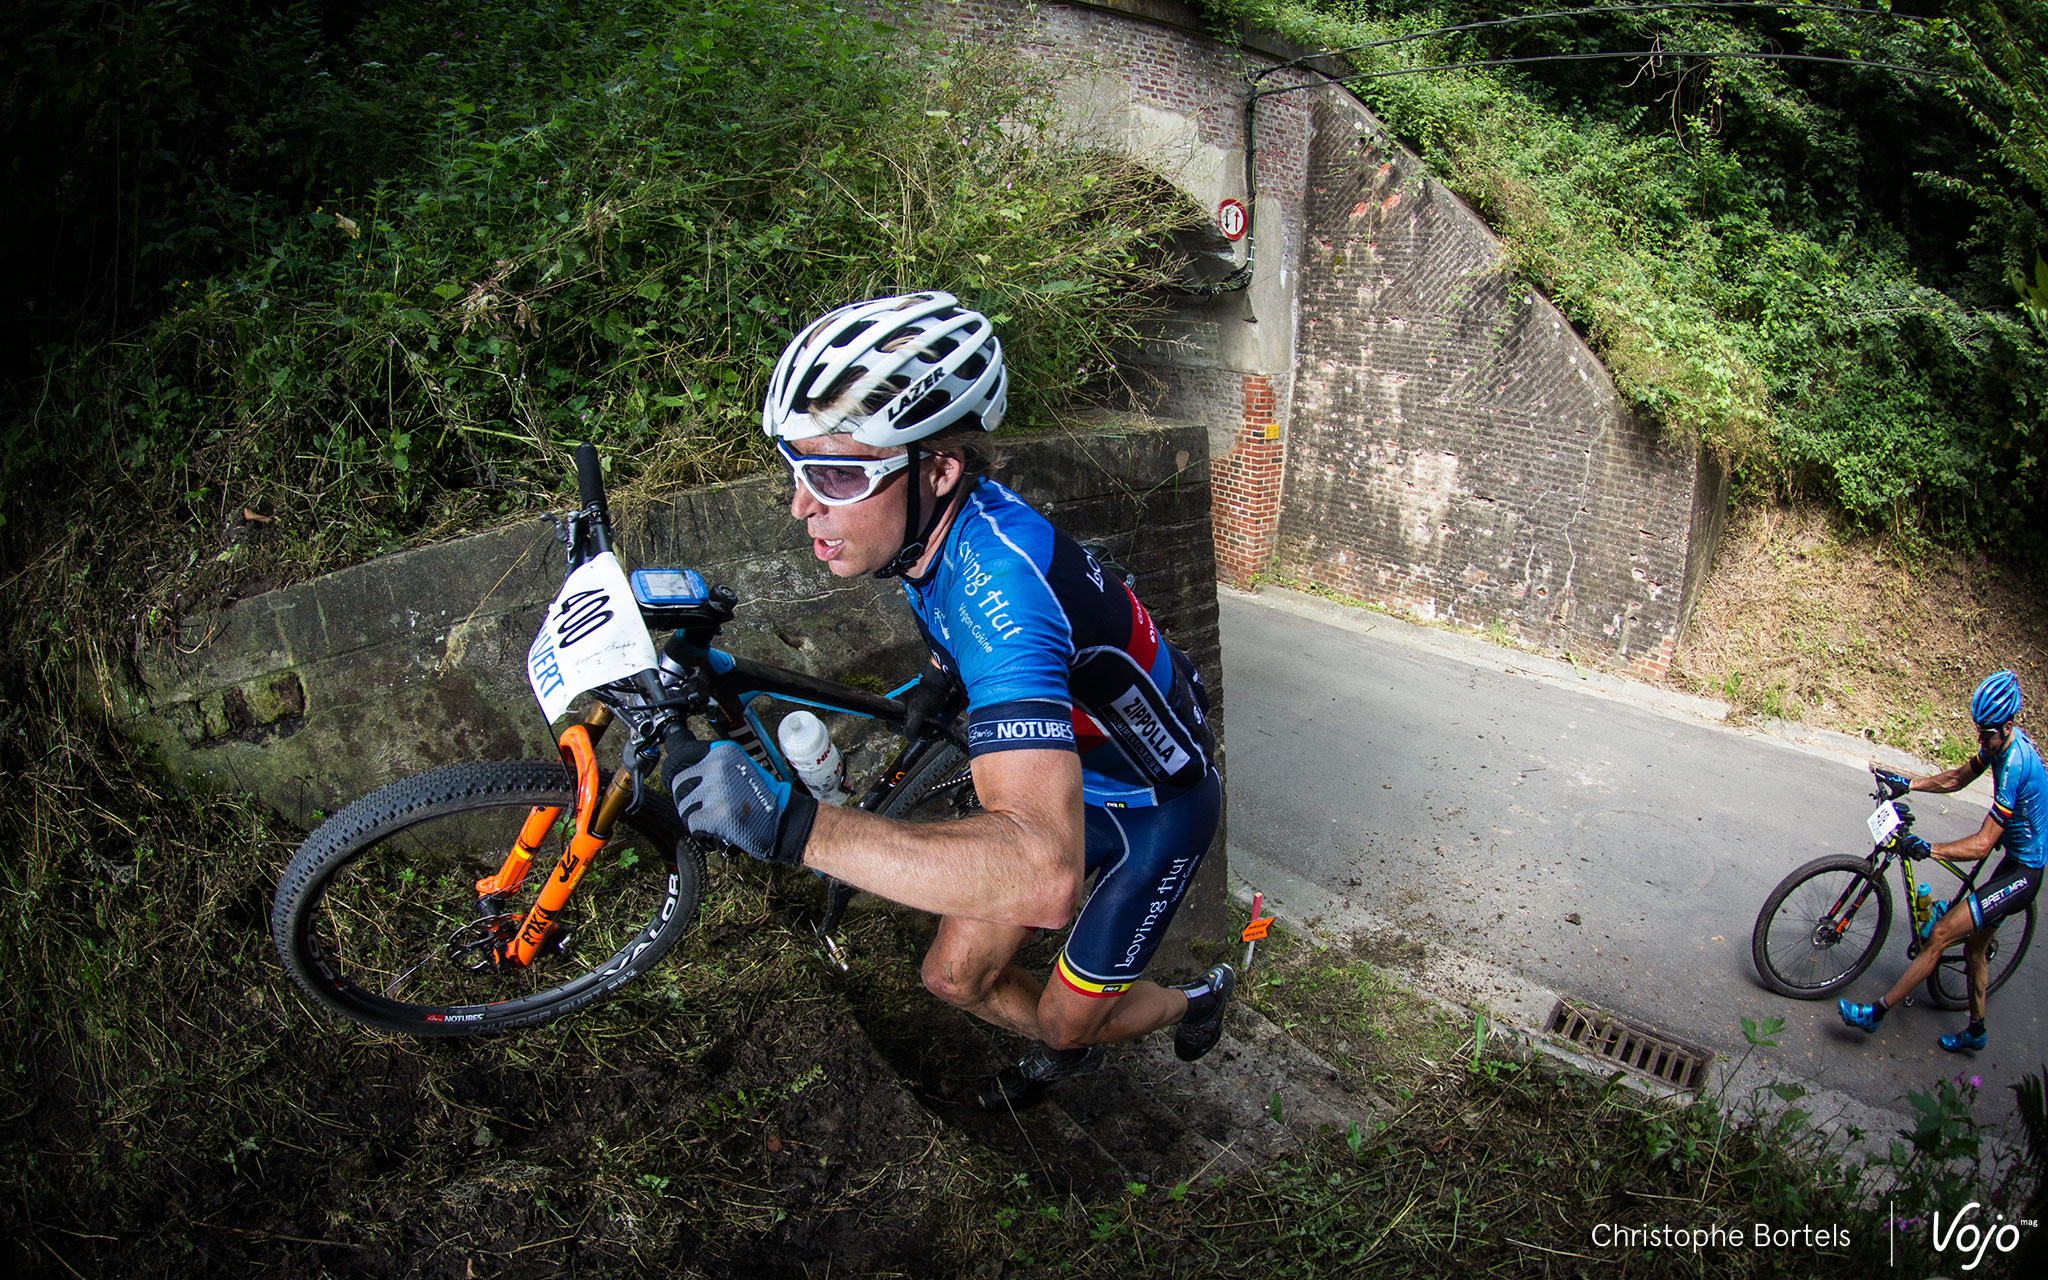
(594, 530)
(590, 478)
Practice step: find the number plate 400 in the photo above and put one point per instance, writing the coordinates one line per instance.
(592, 636)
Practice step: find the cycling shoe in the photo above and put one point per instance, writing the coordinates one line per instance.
(1863, 1017)
(1963, 1042)
(1026, 1083)
(1193, 1037)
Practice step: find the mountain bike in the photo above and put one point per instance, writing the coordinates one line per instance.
(490, 896)
(1825, 923)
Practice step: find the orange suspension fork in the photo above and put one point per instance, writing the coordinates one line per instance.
(511, 875)
(595, 819)
(512, 872)
(595, 816)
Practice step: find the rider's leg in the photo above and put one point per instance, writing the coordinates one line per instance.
(1068, 1019)
(1978, 959)
(1147, 858)
(1976, 964)
(1948, 931)
(969, 966)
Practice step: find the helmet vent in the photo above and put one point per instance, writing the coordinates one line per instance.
(855, 393)
(852, 336)
(925, 408)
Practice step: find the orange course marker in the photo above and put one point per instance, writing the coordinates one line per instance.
(1256, 929)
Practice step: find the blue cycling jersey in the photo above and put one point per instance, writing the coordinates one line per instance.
(2019, 797)
(1055, 653)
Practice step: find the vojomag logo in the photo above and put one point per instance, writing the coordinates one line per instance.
(1968, 1236)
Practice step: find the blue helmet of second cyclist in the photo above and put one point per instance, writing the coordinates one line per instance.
(1994, 707)
(1996, 701)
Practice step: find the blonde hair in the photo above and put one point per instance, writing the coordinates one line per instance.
(973, 446)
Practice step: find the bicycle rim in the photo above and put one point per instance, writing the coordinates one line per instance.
(378, 917)
(1821, 928)
(1948, 987)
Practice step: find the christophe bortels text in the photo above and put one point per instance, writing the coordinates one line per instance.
(1610, 1235)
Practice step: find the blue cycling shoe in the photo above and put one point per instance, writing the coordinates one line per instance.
(1863, 1017)
(1963, 1042)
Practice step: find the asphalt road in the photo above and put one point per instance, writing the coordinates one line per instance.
(1479, 800)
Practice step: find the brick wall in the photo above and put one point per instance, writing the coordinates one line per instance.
(1245, 487)
(1457, 451)
(1388, 416)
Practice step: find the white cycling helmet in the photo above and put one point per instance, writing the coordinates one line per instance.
(888, 372)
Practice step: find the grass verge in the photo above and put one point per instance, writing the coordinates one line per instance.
(1805, 619)
(747, 1109)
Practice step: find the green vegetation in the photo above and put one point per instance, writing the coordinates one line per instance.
(372, 283)
(1816, 270)
(297, 283)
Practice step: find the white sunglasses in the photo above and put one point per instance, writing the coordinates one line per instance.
(839, 482)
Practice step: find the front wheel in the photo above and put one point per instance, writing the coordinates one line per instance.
(1948, 987)
(377, 915)
(1821, 927)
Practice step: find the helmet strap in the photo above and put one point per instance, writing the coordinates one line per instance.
(914, 539)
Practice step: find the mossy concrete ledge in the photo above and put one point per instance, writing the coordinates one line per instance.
(309, 696)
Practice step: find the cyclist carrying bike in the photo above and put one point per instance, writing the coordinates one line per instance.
(1087, 732)
(2019, 811)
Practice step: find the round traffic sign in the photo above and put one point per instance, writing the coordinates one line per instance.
(1232, 219)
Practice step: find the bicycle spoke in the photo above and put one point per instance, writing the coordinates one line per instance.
(391, 992)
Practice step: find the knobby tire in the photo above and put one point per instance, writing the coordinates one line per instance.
(940, 787)
(367, 909)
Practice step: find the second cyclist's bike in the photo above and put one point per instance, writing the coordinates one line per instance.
(1825, 923)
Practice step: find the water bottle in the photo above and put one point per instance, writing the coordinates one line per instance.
(1934, 915)
(812, 754)
(1921, 901)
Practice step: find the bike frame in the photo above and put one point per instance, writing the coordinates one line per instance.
(1883, 858)
(693, 678)
(732, 686)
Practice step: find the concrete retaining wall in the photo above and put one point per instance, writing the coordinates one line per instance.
(309, 696)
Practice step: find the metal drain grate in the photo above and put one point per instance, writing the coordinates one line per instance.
(1616, 1039)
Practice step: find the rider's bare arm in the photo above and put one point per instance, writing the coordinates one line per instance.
(1019, 862)
(1977, 844)
(1944, 782)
